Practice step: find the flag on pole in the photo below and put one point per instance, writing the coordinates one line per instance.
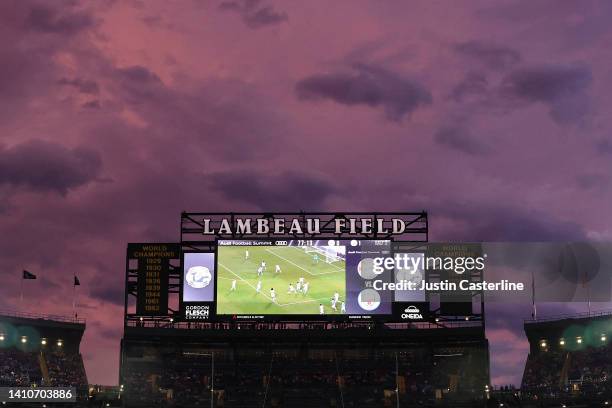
(76, 281)
(28, 275)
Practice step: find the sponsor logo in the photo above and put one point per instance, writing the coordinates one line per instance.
(197, 312)
(198, 277)
(412, 313)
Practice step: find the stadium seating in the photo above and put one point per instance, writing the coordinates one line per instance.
(19, 368)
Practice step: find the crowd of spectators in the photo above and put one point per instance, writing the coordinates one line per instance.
(19, 368)
(65, 369)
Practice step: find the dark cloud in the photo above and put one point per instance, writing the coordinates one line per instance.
(91, 105)
(593, 181)
(562, 88)
(604, 146)
(367, 85)
(254, 14)
(459, 138)
(59, 20)
(491, 55)
(499, 222)
(474, 84)
(108, 293)
(284, 192)
(138, 74)
(84, 86)
(48, 166)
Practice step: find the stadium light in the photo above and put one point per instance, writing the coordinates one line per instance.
(579, 340)
(543, 344)
(171, 320)
(1, 336)
(60, 343)
(604, 337)
(562, 342)
(24, 339)
(43, 341)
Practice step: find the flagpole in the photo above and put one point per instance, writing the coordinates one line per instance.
(535, 310)
(73, 299)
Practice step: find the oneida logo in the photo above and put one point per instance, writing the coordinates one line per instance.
(412, 313)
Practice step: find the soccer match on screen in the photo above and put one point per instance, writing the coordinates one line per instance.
(281, 279)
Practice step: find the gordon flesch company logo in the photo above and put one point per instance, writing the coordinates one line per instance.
(412, 313)
(197, 312)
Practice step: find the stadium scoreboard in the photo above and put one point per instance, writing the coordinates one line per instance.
(292, 267)
(296, 279)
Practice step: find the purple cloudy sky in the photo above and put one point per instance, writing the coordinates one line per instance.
(117, 115)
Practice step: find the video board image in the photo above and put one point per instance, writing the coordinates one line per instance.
(291, 278)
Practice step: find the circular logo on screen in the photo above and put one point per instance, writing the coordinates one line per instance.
(198, 277)
(369, 299)
(365, 268)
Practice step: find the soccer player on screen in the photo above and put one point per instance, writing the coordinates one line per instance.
(246, 254)
(298, 285)
(273, 295)
(321, 309)
(260, 271)
(305, 288)
(258, 289)
(336, 296)
(291, 288)
(277, 269)
(315, 258)
(233, 288)
(333, 304)
(263, 265)
(343, 307)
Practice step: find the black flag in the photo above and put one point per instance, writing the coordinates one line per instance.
(28, 275)
(76, 281)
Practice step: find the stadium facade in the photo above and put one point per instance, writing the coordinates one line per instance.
(39, 350)
(287, 346)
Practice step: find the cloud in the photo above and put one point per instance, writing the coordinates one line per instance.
(48, 166)
(108, 293)
(138, 74)
(62, 21)
(254, 14)
(563, 88)
(474, 84)
(288, 191)
(367, 85)
(593, 181)
(84, 86)
(604, 146)
(458, 138)
(491, 55)
(498, 222)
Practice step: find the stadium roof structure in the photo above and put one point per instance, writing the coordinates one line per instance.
(578, 330)
(17, 326)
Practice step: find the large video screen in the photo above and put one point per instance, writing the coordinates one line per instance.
(301, 277)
